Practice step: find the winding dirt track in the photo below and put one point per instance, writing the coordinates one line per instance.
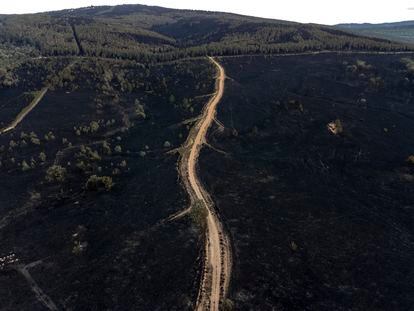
(217, 262)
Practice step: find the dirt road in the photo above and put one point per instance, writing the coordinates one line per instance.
(25, 111)
(217, 262)
(40, 295)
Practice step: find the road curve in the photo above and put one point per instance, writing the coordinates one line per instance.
(217, 262)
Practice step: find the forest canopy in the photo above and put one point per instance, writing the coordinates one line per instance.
(146, 33)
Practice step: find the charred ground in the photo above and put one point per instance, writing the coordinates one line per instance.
(319, 221)
(102, 240)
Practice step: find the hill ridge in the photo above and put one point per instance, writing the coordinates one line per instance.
(151, 34)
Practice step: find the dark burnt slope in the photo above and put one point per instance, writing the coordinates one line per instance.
(319, 221)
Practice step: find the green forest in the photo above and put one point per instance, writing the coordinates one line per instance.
(153, 34)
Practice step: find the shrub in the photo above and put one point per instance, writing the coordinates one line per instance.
(82, 166)
(96, 183)
(25, 166)
(93, 155)
(172, 99)
(12, 144)
(35, 196)
(116, 171)
(94, 126)
(409, 63)
(376, 82)
(88, 153)
(56, 173)
(79, 247)
(106, 148)
(293, 246)
(411, 159)
(85, 129)
(50, 136)
(362, 65)
(336, 127)
(228, 305)
(35, 140)
(42, 157)
(139, 109)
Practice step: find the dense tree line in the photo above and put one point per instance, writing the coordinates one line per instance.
(151, 34)
(40, 31)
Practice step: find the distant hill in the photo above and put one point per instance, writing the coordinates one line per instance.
(154, 33)
(401, 31)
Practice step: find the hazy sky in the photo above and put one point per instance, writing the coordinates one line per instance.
(317, 11)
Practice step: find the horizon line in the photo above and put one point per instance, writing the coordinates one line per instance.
(211, 11)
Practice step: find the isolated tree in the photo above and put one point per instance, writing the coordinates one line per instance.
(56, 173)
(96, 183)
